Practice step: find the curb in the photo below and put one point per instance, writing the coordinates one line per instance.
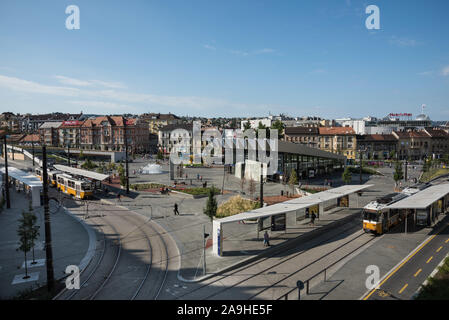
(87, 259)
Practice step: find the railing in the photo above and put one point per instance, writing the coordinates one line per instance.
(307, 282)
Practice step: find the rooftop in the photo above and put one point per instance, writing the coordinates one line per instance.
(336, 131)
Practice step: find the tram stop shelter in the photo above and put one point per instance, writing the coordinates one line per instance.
(81, 172)
(30, 182)
(287, 213)
(426, 205)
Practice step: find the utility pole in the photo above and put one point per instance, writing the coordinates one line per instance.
(126, 156)
(8, 203)
(68, 154)
(261, 185)
(360, 153)
(32, 144)
(405, 171)
(48, 246)
(204, 249)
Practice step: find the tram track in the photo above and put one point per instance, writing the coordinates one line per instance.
(283, 257)
(126, 240)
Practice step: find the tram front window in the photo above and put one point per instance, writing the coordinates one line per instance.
(371, 216)
(86, 187)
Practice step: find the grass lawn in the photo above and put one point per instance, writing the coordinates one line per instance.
(437, 288)
(433, 173)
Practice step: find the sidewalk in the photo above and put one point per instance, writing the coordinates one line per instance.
(70, 243)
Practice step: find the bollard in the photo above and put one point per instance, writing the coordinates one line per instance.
(300, 286)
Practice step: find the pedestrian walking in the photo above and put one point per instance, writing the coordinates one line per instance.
(312, 219)
(176, 209)
(119, 199)
(266, 239)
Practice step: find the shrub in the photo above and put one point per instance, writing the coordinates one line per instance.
(201, 191)
(236, 205)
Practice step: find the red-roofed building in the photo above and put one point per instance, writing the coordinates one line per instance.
(341, 140)
(378, 146)
(439, 142)
(70, 133)
(413, 145)
(31, 139)
(107, 133)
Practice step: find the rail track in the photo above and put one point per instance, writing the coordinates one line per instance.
(125, 267)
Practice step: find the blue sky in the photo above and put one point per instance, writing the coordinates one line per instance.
(225, 58)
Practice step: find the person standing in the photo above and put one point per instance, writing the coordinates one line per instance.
(312, 219)
(266, 239)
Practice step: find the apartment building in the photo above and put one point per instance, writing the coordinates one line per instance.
(107, 133)
(49, 134)
(158, 120)
(309, 136)
(377, 146)
(340, 140)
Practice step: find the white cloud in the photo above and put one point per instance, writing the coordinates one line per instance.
(33, 87)
(425, 73)
(245, 53)
(318, 71)
(404, 42)
(445, 71)
(208, 46)
(124, 100)
(89, 83)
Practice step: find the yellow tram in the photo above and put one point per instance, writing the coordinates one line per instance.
(51, 176)
(77, 187)
(377, 218)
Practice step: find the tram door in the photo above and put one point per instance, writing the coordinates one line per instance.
(78, 190)
(278, 222)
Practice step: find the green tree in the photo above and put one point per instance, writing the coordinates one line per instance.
(121, 173)
(280, 126)
(392, 154)
(246, 125)
(81, 155)
(261, 126)
(398, 173)
(251, 187)
(28, 233)
(346, 176)
(211, 205)
(293, 180)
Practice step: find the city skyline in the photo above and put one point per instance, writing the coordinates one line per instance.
(225, 59)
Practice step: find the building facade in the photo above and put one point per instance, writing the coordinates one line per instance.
(309, 136)
(49, 134)
(107, 133)
(377, 146)
(340, 140)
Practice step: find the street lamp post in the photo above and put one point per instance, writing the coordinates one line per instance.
(126, 156)
(8, 203)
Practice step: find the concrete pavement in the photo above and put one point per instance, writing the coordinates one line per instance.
(70, 241)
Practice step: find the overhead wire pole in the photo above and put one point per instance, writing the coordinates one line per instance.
(32, 144)
(261, 185)
(68, 154)
(126, 156)
(48, 246)
(8, 203)
(360, 154)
